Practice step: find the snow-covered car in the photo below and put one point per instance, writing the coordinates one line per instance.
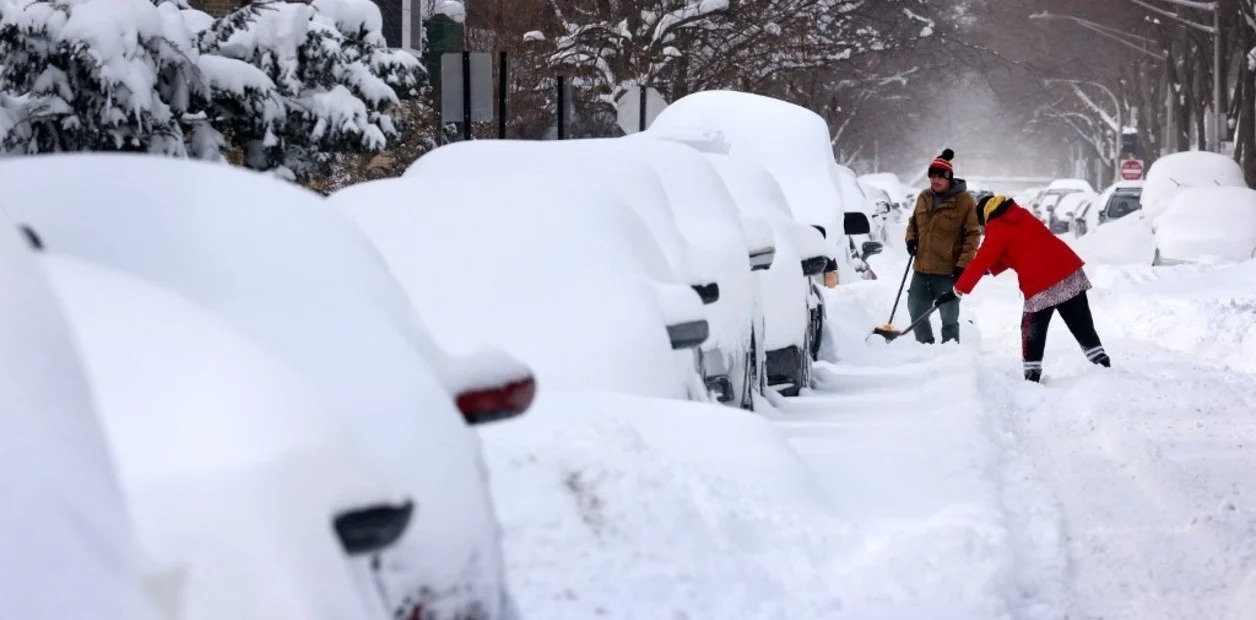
(575, 287)
(1177, 171)
(1207, 224)
(900, 196)
(1054, 194)
(792, 304)
(792, 142)
(1061, 217)
(1116, 201)
(1119, 200)
(854, 200)
(627, 178)
(68, 539)
(732, 359)
(285, 269)
(245, 488)
(719, 274)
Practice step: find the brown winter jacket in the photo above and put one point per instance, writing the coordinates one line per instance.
(947, 235)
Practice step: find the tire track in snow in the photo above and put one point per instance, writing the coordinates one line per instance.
(1155, 524)
(904, 453)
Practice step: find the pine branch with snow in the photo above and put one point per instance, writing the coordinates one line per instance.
(98, 75)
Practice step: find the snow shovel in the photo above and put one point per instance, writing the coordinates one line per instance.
(887, 331)
(890, 334)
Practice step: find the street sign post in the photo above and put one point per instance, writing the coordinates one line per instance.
(466, 81)
(638, 107)
(1131, 170)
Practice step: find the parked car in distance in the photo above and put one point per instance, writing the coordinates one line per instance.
(1061, 218)
(1207, 225)
(793, 143)
(1176, 172)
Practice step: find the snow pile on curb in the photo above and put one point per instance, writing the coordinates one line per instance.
(1206, 313)
(621, 506)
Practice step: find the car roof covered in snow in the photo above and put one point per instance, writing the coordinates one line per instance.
(623, 178)
(1171, 173)
(550, 269)
(792, 141)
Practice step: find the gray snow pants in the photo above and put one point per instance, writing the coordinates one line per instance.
(925, 287)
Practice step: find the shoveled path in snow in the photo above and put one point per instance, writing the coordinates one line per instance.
(1122, 493)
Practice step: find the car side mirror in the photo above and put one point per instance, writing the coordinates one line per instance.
(870, 248)
(688, 335)
(856, 223)
(814, 266)
(372, 529)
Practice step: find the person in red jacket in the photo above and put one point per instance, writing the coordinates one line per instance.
(1051, 278)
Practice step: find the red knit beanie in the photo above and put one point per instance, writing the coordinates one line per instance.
(942, 164)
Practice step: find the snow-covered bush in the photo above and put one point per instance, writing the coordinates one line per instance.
(287, 86)
(79, 75)
(331, 69)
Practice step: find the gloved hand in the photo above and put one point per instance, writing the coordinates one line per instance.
(911, 247)
(945, 298)
(959, 271)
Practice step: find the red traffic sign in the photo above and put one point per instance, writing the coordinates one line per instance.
(1131, 170)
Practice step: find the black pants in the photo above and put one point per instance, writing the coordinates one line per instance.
(1076, 315)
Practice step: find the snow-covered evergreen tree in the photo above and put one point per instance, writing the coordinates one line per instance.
(104, 75)
(333, 77)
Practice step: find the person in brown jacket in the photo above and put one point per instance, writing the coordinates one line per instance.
(943, 236)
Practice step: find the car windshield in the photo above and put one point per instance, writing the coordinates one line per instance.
(1123, 204)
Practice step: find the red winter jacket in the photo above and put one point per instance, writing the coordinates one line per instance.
(1016, 240)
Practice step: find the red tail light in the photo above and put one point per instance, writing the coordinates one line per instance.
(497, 403)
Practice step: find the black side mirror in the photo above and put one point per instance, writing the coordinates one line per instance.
(815, 265)
(709, 293)
(372, 529)
(32, 238)
(688, 335)
(856, 223)
(870, 248)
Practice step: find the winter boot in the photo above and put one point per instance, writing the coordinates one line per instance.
(1033, 375)
(1102, 360)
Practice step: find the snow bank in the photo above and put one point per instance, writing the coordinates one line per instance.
(1125, 241)
(626, 507)
(1209, 223)
(1171, 173)
(1202, 311)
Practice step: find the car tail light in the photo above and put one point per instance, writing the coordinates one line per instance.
(490, 404)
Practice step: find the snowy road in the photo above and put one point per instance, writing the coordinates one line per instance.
(1122, 493)
(916, 482)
